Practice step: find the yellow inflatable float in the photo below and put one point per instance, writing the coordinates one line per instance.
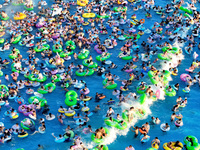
(173, 147)
(155, 145)
(88, 15)
(82, 2)
(21, 16)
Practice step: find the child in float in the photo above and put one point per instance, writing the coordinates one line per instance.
(145, 137)
(187, 88)
(156, 141)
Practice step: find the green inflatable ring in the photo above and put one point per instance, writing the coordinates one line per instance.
(150, 74)
(139, 114)
(143, 98)
(42, 101)
(64, 54)
(189, 146)
(4, 18)
(166, 73)
(94, 65)
(25, 127)
(4, 87)
(125, 115)
(84, 55)
(31, 77)
(58, 78)
(17, 39)
(1, 73)
(41, 91)
(103, 17)
(105, 147)
(99, 58)
(172, 93)
(44, 47)
(28, 8)
(111, 86)
(160, 56)
(115, 123)
(71, 44)
(174, 50)
(126, 57)
(2, 41)
(71, 98)
(71, 134)
(99, 140)
(154, 81)
(185, 10)
(14, 56)
(141, 91)
(42, 80)
(51, 85)
(91, 72)
(57, 50)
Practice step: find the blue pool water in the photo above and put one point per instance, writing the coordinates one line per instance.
(119, 139)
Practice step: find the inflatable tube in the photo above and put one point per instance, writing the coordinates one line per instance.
(91, 72)
(71, 98)
(141, 91)
(26, 127)
(70, 114)
(20, 17)
(189, 145)
(146, 140)
(84, 55)
(175, 148)
(57, 50)
(6, 18)
(163, 129)
(172, 93)
(160, 56)
(23, 136)
(178, 124)
(100, 58)
(50, 118)
(59, 140)
(185, 10)
(88, 15)
(143, 98)
(71, 44)
(35, 99)
(94, 65)
(28, 8)
(184, 77)
(71, 134)
(99, 140)
(51, 85)
(111, 86)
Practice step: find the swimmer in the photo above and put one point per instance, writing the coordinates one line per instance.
(130, 147)
(146, 126)
(110, 112)
(97, 108)
(130, 114)
(144, 137)
(136, 131)
(155, 141)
